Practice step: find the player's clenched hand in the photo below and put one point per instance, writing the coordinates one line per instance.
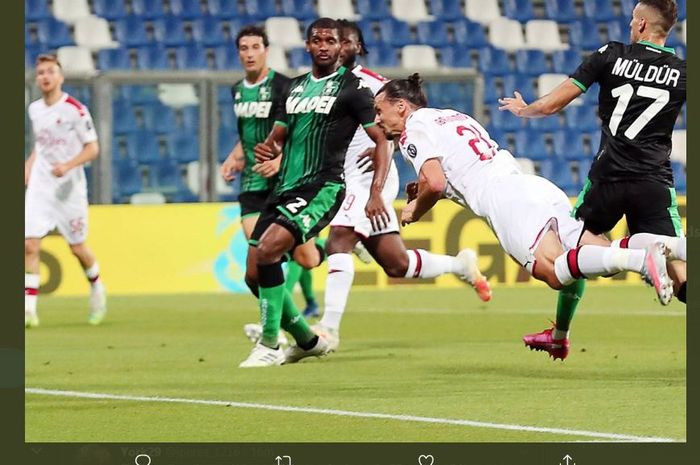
(364, 161)
(513, 104)
(230, 167)
(264, 152)
(412, 190)
(407, 213)
(269, 168)
(60, 169)
(376, 212)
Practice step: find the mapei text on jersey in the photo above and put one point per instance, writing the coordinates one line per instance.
(309, 104)
(633, 69)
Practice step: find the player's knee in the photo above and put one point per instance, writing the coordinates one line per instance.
(77, 249)
(545, 272)
(397, 268)
(307, 259)
(31, 247)
(268, 252)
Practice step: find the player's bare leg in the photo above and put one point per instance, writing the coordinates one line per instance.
(32, 247)
(677, 271)
(248, 224)
(98, 294)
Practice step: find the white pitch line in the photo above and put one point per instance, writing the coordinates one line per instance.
(347, 413)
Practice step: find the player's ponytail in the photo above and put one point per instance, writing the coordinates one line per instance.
(410, 89)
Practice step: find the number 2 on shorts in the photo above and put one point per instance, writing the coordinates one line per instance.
(294, 207)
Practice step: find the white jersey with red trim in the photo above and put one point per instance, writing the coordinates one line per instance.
(60, 131)
(468, 155)
(361, 141)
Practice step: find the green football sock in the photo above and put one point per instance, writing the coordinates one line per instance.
(569, 297)
(293, 322)
(271, 308)
(306, 281)
(294, 271)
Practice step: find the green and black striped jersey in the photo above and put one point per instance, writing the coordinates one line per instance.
(321, 116)
(256, 106)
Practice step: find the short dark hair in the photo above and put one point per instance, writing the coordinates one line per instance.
(668, 9)
(322, 23)
(408, 89)
(252, 30)
(347, 24)
(47, 58)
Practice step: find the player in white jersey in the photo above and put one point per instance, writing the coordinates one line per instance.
(56, 195)
(455, 158)
(352, 225)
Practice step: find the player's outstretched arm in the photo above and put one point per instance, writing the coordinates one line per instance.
(547, 105)
(234, 163)
(431, 188)
(89, 153)
(381, 160)
(272, 146)
(28, 166)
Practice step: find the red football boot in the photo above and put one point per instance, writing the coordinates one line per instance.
(557, 348)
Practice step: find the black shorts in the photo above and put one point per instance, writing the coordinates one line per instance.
(304, 211)
(252, 202)
(648, 206)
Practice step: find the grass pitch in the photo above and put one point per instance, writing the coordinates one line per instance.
(429, 353)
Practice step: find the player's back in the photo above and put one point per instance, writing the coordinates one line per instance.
(642, 90)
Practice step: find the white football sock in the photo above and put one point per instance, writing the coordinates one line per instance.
(341, 271)
(31, 292)
(93, 273)
(423, 264)
(675, 245)
(592, 260)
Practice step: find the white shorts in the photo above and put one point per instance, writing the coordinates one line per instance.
(522, 208)
(65, 208)
(352, 211)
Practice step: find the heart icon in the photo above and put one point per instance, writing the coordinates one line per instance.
(426, 460)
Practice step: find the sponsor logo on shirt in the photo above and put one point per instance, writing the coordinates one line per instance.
(314, 104)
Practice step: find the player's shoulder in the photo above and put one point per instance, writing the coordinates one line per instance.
(612, 48)
(279, 78)
(374, 80)
(422, 118)
(73, 105)
(36, 105)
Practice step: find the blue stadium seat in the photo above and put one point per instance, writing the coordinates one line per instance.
(212, 31)
(682, 10)
(568, 145)
(493, 61)
(226, 58)
(591, 95)
(681, 120)
(131, 31)
(383, 56)
(584, 34)
(186, 9)
(583, 117)
(679, 176)
(681, 51)
(447, 10)
(673, 40)
(191, 57)
(159, 118)
(627, 6)
(559, 172)
(227, 140)
(80, 92)
(170, 31)
(260, 9)
(523, 84)
(469, 34)
(493, 89)
(224, 95)
(599, 10)
(531, 62)
(618, 30)
(184, 148)
(152, 57)
(37, 10)
(128, 178)
(505, 120)
(190, 115)
(433, 33)
(227, 120)
(109, 9)
(549, 124)
(531, 144)
(148, 9)
(225, 9)
(298, 57)
(142, 145)
(115, 58)
(168, 175)
(561, 11)
(33, 51)
(456, 57)
(594, 140)
(520, 10)
(123, 120)
(565, 61)
(299, 9)
(54, 33)
(396, 33)
(368, 31)
(406, 174)
(373, 9)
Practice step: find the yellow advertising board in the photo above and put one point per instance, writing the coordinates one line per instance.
(200, 248)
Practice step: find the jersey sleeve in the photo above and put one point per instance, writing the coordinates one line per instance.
(280, 91)
(360, 99)
(591, 69)
(419, 145)
(84, 127)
